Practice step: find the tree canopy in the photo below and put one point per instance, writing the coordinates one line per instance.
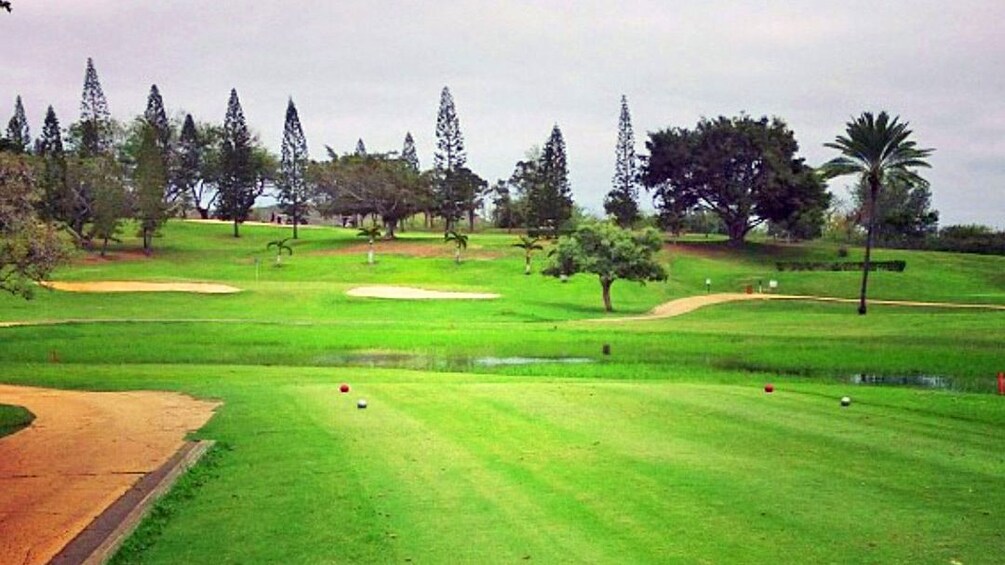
(745, 170)
(609, 252)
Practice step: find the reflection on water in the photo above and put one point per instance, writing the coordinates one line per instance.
(922, 381)
(432, 362)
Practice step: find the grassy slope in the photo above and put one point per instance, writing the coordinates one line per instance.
(666, 450)
(13, 418)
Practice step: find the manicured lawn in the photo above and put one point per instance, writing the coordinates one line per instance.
(666, 450)
(13, 418)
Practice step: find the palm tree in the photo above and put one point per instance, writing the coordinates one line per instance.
(280, 245)
(878, 150)
(460, 242)
(529, 245)
(372, 233)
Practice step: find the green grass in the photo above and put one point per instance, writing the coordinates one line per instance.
(14, 418)
(666, 450)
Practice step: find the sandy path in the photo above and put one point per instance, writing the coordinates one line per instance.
(83, 451)
(411, 293)
(134, 286)
(691, 303)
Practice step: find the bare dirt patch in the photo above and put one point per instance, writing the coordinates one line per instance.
(82, 452)
(135, 286)
(411, 249)
(112, 257)
(692, 303)
(412, 293)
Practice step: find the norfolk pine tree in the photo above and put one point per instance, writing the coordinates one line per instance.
(237, 189)
(549, 200)
(95, 119)
(448, 159)
(18, 132)
(294, 197)
(408, 153)
(621, 201)
(57, 201)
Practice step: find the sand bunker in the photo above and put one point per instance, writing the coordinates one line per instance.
(82, 452)
(412, 293)
(133, 286)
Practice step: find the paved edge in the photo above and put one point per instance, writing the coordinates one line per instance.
(96, 543)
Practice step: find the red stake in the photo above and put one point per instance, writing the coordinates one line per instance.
(1001, 384)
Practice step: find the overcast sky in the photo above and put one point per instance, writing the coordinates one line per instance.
(375, 69)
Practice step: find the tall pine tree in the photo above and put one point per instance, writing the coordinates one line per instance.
(408, 153)
(186, 170)
(294, 196)
(549, 201)
(360, 148)
(56, 199)
(156, 118)
(621, 201)
(95, 119)
(236, 186)
(448, 160)
(18, 133)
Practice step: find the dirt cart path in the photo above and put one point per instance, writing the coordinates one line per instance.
(83, 451)
(691, 303)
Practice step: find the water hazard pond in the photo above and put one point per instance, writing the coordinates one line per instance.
(433, 362)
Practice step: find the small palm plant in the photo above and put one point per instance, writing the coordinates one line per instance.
(281, 246)
(529, 245)
(460, 242)
(372, 233)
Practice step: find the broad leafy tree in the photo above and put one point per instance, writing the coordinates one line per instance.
(377, 184)
(294, 195)
(622, 201)
(744, 170)
(149, 186)
(18, 132)
(903, 211)
(609, 252)
(110, 206)
(237, 183)
(878, 150)
(29, 248)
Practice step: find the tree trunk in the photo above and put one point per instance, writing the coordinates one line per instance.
(605, 284)
(369, 254)
(296, 220)
(203, 213)
(457, 255)
(526, 265)
(235, 229)
(389, 226)
(873, 193)
(471, 220)
(104, 246)
(737, 232)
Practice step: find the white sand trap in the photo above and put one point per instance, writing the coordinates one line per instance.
(412, 293)
(132, 286)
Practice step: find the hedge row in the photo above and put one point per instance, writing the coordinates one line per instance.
(896, 266)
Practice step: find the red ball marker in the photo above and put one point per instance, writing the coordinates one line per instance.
(769, 388)
(344, 388)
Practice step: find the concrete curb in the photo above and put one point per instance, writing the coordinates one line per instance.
(101, 538)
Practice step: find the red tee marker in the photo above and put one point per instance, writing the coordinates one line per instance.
(769, 388)
(1001, 384)
(344, 388)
